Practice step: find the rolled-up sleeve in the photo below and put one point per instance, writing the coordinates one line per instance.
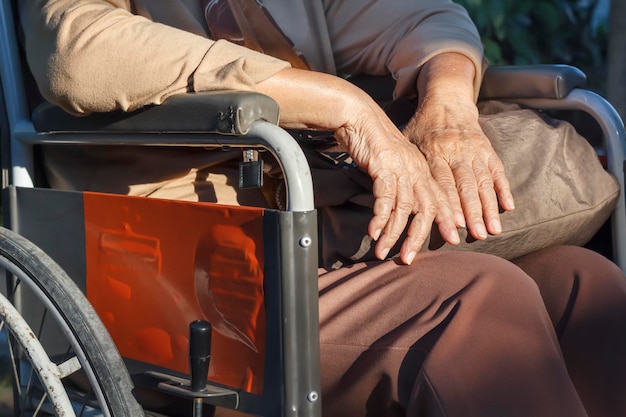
(398, 36)
(96, 56)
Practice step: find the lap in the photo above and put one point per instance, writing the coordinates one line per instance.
(380, 321)
(383, 294)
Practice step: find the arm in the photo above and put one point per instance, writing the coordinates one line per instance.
(433, 50)
(403, 185)
(82, 68)
(399, 37)
(94, 55)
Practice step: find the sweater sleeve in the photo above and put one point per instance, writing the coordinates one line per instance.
(398, 36)
(96, 56)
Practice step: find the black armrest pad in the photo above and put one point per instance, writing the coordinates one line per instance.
(531, 81)
(226, 112)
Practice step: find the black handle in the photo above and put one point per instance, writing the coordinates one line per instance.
(199, 353)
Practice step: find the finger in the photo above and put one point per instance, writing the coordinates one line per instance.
(502, 186)
(488, 198)
(445, 221)
(427, 211)
(417, 232)
(442, 173)
(384, 192)
(398, 219)
(470, 200)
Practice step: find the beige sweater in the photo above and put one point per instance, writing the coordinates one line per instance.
(100, 55)
(95, 55)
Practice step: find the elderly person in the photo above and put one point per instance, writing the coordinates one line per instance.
(429, 334)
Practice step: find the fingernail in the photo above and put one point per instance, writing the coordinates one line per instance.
(384, 253)
(460, 220)
(481, 231)
(377, 233)
(410, 257)
(510, 203)
(496, 226)
(455, 238)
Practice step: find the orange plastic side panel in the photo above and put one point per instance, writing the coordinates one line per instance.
(154, 266)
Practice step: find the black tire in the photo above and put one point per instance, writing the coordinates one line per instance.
(67, 326)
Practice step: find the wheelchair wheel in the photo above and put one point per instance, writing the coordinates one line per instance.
(62, 360)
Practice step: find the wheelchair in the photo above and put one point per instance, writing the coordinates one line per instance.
(111, 311)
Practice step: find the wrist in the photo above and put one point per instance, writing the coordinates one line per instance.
(447, 75)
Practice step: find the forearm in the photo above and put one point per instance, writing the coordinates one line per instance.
(313, 100)
(319, 101)
(94, 55)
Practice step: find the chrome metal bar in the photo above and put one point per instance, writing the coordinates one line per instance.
(615, 143)
(261, 134)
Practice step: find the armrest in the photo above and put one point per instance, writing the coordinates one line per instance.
(222, 118)
(225, 112)
(531, 81)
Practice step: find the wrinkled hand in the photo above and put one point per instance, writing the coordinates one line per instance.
(403, 184)
(463, 162)
(406, 196)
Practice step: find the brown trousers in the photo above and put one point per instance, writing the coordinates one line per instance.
(467, 334)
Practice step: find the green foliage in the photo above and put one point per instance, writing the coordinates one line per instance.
(542, 31)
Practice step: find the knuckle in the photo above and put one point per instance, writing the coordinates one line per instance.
(466, 187)
(392, 235)
(430, 210)
(485, 183)
(404, 207)
(383, 185)
(447, 182)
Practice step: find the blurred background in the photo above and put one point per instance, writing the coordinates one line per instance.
(574, 32)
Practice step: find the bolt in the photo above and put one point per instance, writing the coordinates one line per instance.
(312, 396)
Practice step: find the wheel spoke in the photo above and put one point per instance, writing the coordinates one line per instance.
(14, 370)
(56, 343)
(40, 404)
(41, 324)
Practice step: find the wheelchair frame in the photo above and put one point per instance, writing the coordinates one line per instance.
(251, 122)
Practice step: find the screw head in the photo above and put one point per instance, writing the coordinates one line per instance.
(306, 241)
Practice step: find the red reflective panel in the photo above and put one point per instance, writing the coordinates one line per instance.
(154, 266)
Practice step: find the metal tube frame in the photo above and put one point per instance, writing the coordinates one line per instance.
(615, 145)
(13, 87)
